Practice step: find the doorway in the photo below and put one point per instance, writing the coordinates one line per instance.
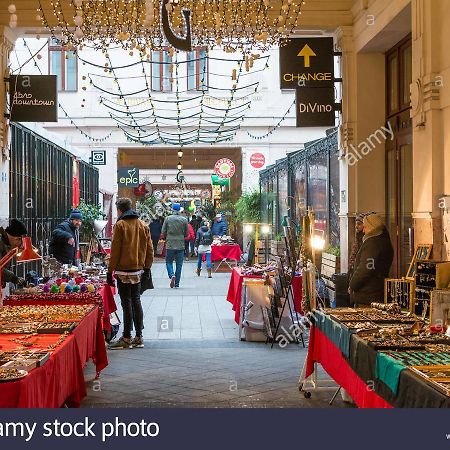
(399, 155)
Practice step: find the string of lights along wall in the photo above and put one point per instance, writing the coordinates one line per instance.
(145, 24)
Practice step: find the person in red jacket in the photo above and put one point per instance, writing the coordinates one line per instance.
(189, 242)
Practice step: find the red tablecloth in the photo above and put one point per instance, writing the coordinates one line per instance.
(232, 252)
(323, 351)
(235, 290)
(109, 305)
(60, 380)
(297, 289)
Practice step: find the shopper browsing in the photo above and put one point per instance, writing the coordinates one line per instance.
(131, 260)
(65, 241)
(203, 243)
(174, 231)
(220, 226)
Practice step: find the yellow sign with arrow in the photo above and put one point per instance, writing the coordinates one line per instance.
(307, 52)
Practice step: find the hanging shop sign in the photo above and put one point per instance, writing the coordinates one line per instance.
(33, 98)
(98, 157)
(307, 62)
(224, 168)
(257, 160)
(217, 181)
(315, 107)
(128, 177)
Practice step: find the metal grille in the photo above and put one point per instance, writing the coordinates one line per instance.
(41, 185)
(313, 180)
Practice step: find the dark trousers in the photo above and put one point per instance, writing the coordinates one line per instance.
(155, 245)
(130, 299)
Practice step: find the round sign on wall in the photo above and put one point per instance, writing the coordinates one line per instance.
(257, 160)
(224, 168)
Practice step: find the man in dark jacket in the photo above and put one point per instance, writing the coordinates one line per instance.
(65, 242)
(11, 237)
(220, 226)
(155, 232)
(131, 260)
(372, 263)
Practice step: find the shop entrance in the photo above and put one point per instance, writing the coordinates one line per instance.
(399, 156)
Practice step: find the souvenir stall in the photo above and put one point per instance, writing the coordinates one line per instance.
(49, 330)
(395, 353)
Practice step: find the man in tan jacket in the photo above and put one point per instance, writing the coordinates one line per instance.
(131, 260)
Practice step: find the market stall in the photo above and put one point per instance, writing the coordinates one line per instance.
(226, 251)
(382, 358)
(43, 351)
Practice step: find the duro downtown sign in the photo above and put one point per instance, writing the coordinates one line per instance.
(33, 98)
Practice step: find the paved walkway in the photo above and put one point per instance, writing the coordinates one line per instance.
(199, 361)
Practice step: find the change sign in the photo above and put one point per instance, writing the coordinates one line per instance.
(307, 62)
(33, 98)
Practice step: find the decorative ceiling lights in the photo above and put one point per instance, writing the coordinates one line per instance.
(140, 24)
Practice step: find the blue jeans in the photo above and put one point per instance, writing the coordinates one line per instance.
(178, 256)
(208, 260)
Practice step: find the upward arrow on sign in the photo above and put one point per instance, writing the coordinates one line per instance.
(307, 52)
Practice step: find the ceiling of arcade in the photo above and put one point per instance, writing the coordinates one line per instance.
(316, 14)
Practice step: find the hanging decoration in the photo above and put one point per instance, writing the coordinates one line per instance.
(274, 128)
(150, 24)
(212, 112)
(72, 122)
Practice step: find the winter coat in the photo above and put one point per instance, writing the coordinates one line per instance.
(219, 228)
(155, 229)
(202, 248)
(59, 246)
(372, 266)
(7, 275)
(174, 230)
(191, 235)
(131, 246)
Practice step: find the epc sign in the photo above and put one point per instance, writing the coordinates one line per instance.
(128, 177)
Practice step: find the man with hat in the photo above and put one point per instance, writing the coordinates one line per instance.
(372, 264)
(11, 237)
(65, 241)
(220, 226)
(174, 231)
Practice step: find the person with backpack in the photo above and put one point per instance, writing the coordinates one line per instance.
(203, 244)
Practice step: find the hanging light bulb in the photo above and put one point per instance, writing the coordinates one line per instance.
(179, 165)
(180, 153)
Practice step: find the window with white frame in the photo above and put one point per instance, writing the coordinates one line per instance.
(64, 64)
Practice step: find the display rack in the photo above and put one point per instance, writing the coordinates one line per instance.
(429, 275)
(400, 291)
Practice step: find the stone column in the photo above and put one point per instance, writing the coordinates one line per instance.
(362, 139)
(430, 98)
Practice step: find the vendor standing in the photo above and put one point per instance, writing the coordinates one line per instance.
(10, 238)
(372, 263)
(65, 241)
(220, 226)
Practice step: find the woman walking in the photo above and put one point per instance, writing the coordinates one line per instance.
(203, 243)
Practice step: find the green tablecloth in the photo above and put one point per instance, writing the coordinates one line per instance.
(388, 370)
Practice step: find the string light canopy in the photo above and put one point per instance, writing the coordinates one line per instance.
(140, 24)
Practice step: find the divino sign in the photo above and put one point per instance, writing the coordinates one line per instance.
(33, 98)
